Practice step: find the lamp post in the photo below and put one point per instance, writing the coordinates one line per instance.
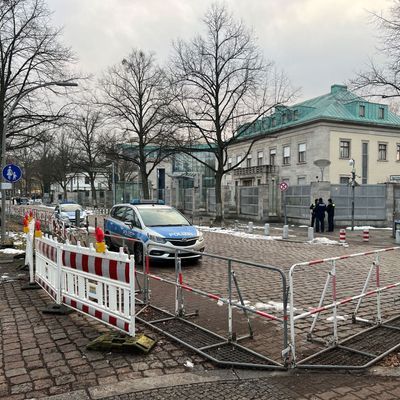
(352, 163)
(3, 141)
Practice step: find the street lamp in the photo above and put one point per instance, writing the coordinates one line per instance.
(352, 164)
(3, 142)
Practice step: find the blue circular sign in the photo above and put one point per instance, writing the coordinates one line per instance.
(12, 173)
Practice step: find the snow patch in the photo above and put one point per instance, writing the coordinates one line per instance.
(12, 251)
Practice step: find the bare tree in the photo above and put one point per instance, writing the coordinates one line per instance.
(224, 86)
(88, 132)
(64, 152)
(30, 56)
(383, 80)
(136, 96)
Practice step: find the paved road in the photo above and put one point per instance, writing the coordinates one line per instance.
(42, 355)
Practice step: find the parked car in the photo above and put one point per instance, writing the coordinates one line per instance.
(66, 212)
(154, 225)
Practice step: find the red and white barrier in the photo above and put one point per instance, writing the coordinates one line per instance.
(366, 235)
(342, 236)
(331, 281)
(101, 286)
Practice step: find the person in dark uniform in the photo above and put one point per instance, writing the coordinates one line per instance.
(313, 209)
(330, 209)
(320, 216)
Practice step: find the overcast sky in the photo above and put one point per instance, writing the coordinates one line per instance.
(317, 42)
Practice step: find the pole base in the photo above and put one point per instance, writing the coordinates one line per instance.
(31, 286)
(116, 342)
(57, 309)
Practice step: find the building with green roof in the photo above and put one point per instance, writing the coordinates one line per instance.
(338, 126)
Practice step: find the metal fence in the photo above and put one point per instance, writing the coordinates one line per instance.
(249, 200)
(297, 201)
(369, 202)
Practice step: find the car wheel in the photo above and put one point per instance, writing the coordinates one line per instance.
(109, 244)
(138, 253)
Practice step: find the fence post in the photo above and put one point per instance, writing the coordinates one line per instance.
(132, 271)
(310, 233)
(230, 319)
(285, 232)
(250, 227)
(266, 229)
(378, 294)
(59, 274)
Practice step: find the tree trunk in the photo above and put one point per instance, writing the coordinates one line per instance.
(145, 183)
(218, 197)
(93, 189)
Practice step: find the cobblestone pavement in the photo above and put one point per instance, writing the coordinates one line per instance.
(303, 387)
(42, 355)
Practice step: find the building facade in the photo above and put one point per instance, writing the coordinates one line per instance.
(336, 127)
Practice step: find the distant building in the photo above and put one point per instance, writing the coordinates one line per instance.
(338, 126)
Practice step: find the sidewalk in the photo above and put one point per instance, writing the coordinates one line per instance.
(44, 356)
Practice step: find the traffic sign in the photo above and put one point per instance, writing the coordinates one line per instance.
(283, 186)
(12, 173)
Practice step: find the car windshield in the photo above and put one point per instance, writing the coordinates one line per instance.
(70, 207)
(162, 217)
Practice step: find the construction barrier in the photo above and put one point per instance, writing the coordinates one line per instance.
(342, 236)
(101, 286)
(366, 235)
(339, 296)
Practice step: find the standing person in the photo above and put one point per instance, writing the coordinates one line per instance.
(320, 215)
(330, 209)
(313, 208)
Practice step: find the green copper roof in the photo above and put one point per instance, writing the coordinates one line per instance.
(339, 105)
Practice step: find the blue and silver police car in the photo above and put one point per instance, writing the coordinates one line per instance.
(163, 229)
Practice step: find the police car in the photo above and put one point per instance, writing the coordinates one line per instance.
(163, 229)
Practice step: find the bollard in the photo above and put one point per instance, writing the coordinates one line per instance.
(310, 233)
(366, 235)
(342, 236)
(250, 227)
(236, 225)
(285, 232)
(266, 229)
(397, 236)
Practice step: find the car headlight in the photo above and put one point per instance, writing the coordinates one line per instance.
(64, 216)
(156, 239)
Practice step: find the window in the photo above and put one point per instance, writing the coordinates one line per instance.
(260, 157)
(273, 122)
(284, 118)
(286, 155)
(382, 150)
(362, 111)
(381, 113)
(296, 115)
(248, 161)
(344, 180)
(229, 162)
(301, 180)
(302, 153)
(344, 151)
(238, 159)
(272, 156)
(398, 152)
(87, 180)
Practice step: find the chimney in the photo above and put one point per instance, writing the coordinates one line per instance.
(338, 88)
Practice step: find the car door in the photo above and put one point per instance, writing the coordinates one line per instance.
(117, 225)
(134, 225)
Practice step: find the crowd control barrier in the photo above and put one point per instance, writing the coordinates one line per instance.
(354, 288)
(101, 286)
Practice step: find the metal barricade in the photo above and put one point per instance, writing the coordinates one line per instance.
(354, 287)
